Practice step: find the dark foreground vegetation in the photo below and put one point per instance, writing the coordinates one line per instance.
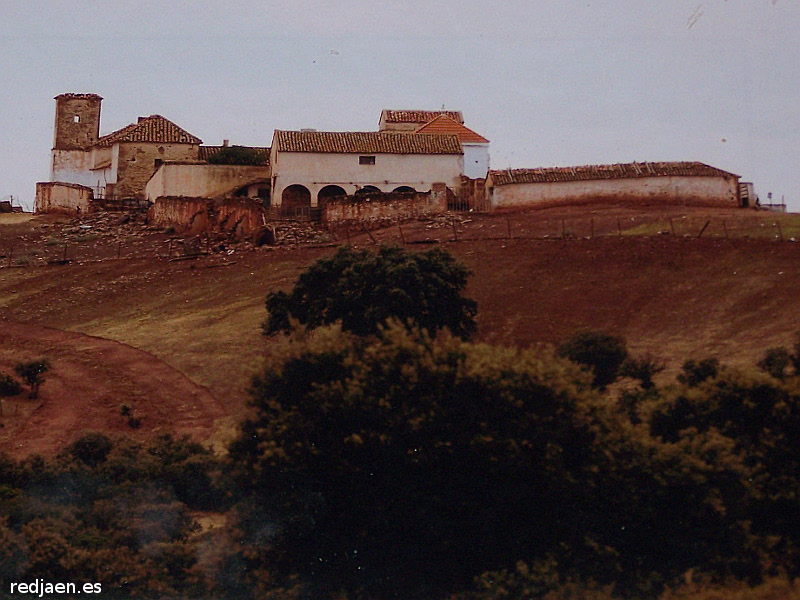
(399, 465)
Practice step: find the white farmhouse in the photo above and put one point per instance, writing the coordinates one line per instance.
(309, 167)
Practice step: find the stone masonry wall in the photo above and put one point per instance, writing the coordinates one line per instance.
(385, 208)
(137, 163)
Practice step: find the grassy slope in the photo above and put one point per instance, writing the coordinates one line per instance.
(675, 298)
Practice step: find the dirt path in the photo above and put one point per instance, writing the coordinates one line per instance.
(90, 379)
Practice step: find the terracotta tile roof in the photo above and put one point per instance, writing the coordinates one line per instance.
(373, 142)
(205, 151)
(418, 116)
(154, 128)
(444, 125)
(617, 171)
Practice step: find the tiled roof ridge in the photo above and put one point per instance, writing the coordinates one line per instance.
(377, 142)
(445, 124)
(609, 171)
(419, 116)
(155, 129)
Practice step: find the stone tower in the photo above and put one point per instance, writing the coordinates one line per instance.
(77, 121)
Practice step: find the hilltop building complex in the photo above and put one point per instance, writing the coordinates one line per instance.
(302, 172)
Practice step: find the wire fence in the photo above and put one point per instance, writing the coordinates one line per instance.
(521, 227)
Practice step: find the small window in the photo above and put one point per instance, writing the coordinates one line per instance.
(366, 160)
(76, 119)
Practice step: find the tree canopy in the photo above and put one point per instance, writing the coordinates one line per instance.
(362, 289)
(405, 465)
(238, 155)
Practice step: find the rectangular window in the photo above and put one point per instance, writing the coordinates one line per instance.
(76, 119)
(366, 160)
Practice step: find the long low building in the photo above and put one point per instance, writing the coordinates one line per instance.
(309, 167)
(675, 183)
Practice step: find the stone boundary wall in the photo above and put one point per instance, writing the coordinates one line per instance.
(387, 208)
(239, 218)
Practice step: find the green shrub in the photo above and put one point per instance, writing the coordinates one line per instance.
(775, 362)
(9, 386)
(695, 372)
(601, 352)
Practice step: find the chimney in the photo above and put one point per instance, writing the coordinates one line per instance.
(225, 143)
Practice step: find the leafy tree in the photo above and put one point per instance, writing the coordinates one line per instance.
(363, 289)
(238, 155)
(775, 362)
(91, 448)
(601, 352)
(754, 421)
(643, 368)
(405, 465)
(384, 460)
(32, 374)
(694, 372)
(8, 387)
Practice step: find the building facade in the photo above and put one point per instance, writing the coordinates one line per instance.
(308, 167)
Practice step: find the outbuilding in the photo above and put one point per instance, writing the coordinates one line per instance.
(668, 183)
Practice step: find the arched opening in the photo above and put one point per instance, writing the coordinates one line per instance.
(296, 201)
(404, 189)
(367, 190)
(329, 192)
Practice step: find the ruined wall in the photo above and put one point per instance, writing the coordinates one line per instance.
(202, 180)
(240, 218)
(692, 191)
(135, 164)
(385, 208)
(69, 198)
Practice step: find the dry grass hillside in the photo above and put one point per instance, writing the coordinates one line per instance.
(538, 277)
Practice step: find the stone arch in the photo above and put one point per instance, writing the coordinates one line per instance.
(404, 189)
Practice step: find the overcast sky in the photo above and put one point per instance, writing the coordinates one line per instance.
(550, 84)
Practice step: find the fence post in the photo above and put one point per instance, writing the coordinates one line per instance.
(402, 237)
(64, 258)
(169, 250)
(672, 226)
(591, 230)
(780, 231)
(619, 227)
(455, 233)
(369, 233)
(508, 226)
